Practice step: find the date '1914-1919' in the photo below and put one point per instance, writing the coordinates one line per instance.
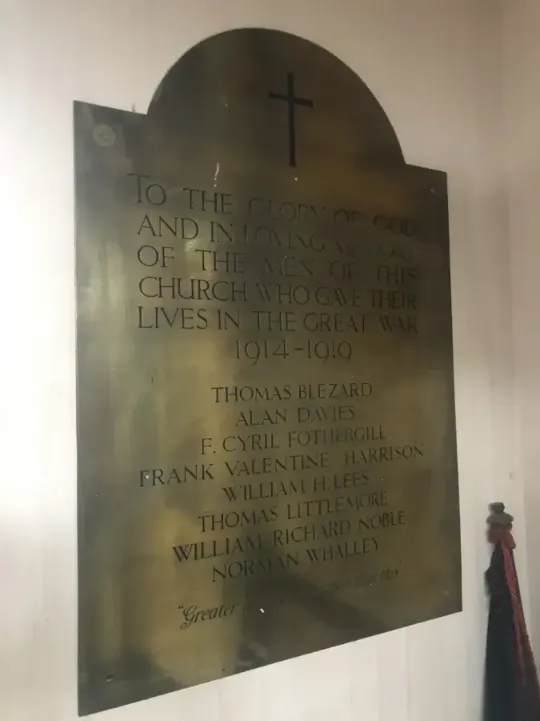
(257, 350)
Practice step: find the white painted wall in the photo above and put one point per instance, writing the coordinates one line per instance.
(435, 67)
(521, 99)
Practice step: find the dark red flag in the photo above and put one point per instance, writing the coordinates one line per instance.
(512, 691)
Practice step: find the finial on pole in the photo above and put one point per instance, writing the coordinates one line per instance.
(498, 516)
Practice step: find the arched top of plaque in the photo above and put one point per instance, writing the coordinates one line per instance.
(268, 99)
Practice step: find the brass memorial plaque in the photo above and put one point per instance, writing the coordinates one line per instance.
(266, 428)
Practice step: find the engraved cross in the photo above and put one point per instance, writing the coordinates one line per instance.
(292, 102)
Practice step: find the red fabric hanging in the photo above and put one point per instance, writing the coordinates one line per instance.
(512, 689)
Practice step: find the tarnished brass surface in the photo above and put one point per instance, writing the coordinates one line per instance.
(266, 431)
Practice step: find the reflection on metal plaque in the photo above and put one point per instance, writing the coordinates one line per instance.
(266, 429)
